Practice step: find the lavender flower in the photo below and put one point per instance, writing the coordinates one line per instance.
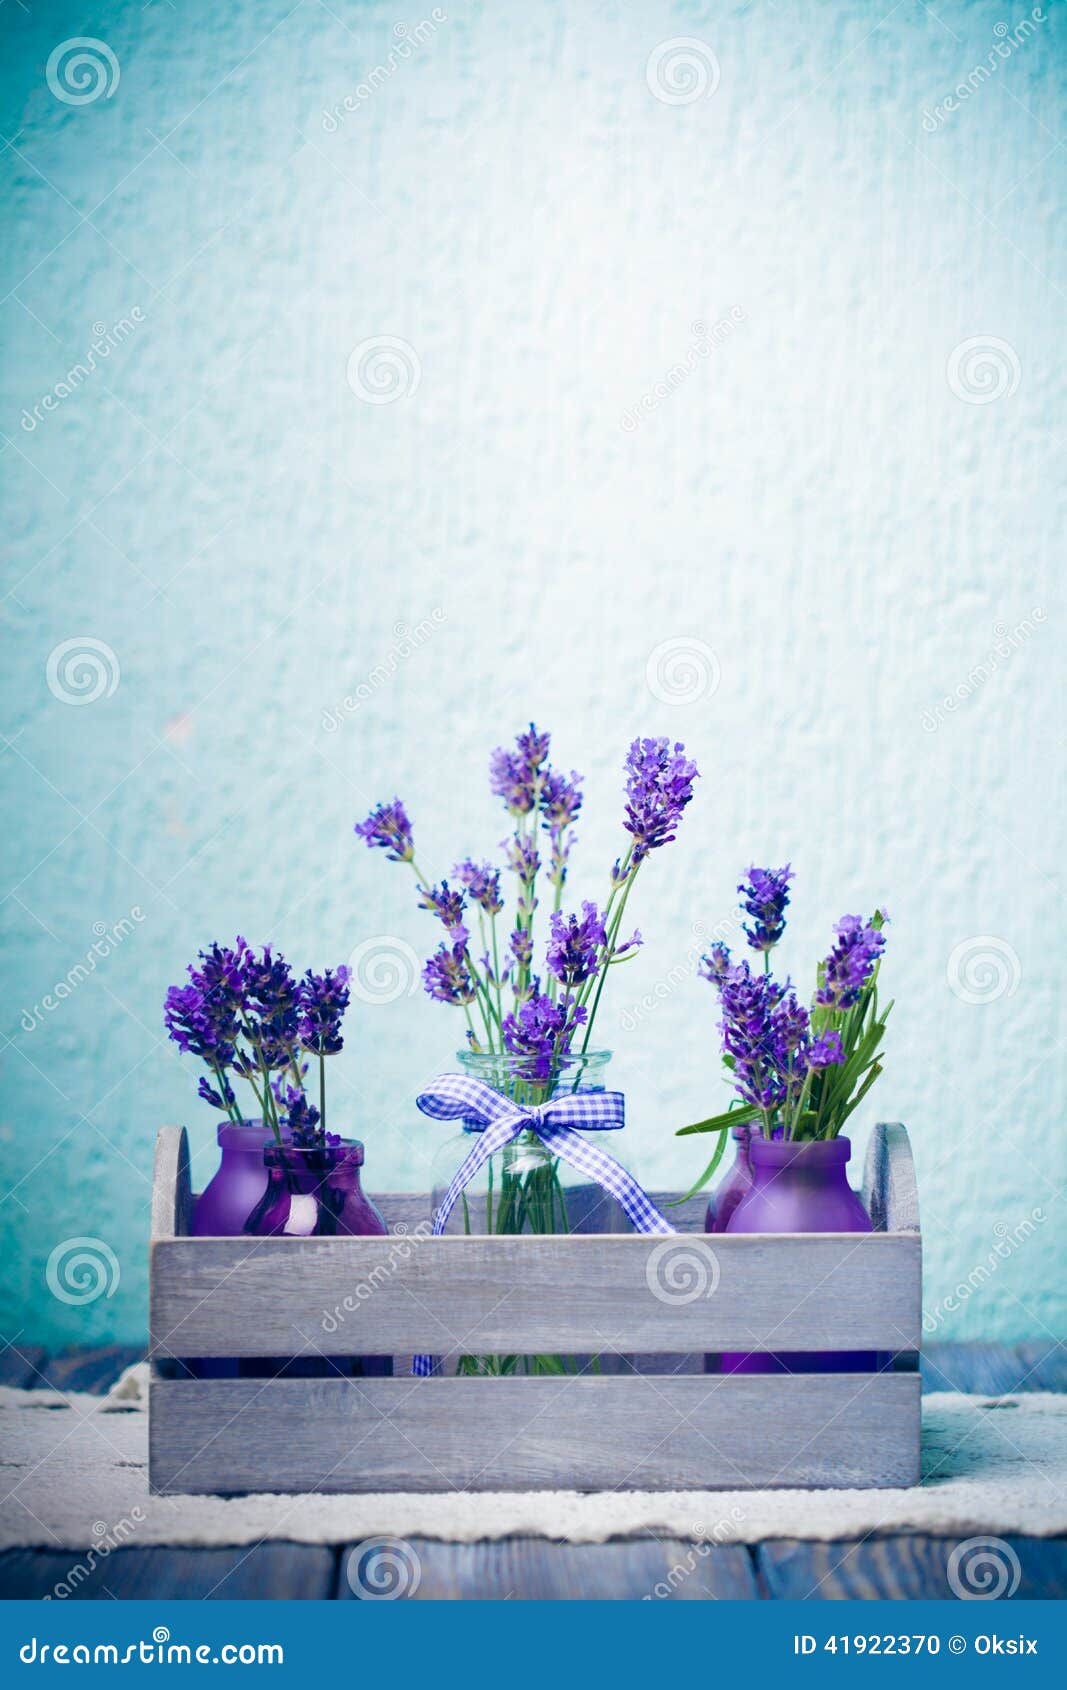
(447, 906)
(561, 800)
(521, 947)
(446, 976)
(273, 998)
(765, 895)
(222, 1099)
(539, 1034)
(715, 965)
(825, 1051)
(659, 785)
(190, 1024)
(323, 1001)
(574, 945)
(389, 828)
(483, 884)
(851, 962)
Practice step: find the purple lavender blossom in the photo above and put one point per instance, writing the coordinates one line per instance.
(521, 947)
(765, 895)
(716, 965)
(574, 945)
(851, 962)
(272, 996)
(223, 1099)
(825, 1051)
(515, 776)
(523, 859)
(659, 785)
(539, 1034)
(561, 800)
(189, 1022)
(389, 828)
(446, 905)
(323, 1001)
(482, 882)
(446, 976)
(301, 1117)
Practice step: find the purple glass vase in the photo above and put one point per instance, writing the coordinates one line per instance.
(239, 1180)
(800, 1186)
(316, 1193)
(729, 1192)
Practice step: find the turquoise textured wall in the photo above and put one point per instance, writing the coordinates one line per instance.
(645, 368)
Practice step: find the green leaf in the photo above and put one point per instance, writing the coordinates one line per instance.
(721, 1123)
(704, 1178)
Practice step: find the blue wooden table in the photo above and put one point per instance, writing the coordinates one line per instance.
(524, 1568)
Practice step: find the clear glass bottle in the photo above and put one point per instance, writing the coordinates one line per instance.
(524, 1188)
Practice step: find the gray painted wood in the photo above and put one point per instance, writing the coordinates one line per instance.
(283, 1571)
(530, 1295)
(528, 1569)
(680, 1432)
(901, 1568)
(889, 1186)
(172, 1198)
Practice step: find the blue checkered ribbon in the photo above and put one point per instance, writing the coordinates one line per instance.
(498, 1119)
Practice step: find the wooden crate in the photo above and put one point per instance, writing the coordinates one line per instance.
(649, 1307)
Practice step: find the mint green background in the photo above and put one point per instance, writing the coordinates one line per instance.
(814, 504)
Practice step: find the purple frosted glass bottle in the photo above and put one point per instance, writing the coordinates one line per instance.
(239, 1180)
(730, 1190)
(316, 1193)
(800, 1186)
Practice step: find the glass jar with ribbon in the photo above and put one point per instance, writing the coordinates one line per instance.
(529, 1160)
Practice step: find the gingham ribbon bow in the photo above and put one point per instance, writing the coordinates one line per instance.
(497, 1120)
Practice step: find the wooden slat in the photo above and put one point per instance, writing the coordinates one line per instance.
(530, 1569)
(172, 1197)
(527, 1295)
(889, 1187)
(284, 1571)
(901, 1568)
(671, 1433)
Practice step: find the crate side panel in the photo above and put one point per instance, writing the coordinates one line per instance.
(627, 1295)
(679, 1433)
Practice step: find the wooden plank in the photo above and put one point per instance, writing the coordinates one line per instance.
(172, 1195)
(889, 1186)
(408, 1212)
(529, 1295)
(672, 1433)
(530, 1569)
(20, 1364)
(284, 1571)
(93, 1370)
(902, 1568)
